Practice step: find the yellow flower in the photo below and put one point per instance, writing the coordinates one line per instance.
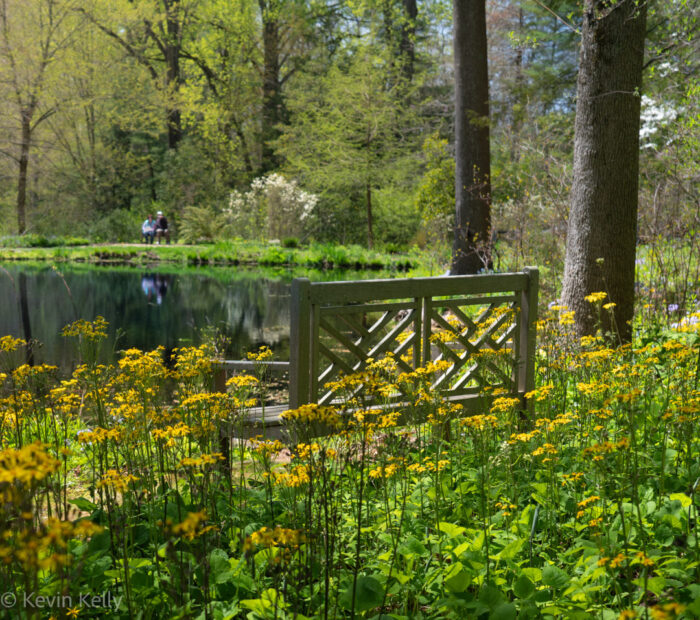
(93, 331)
(264, 354)
(9, 344)
(192, 526)
(116, 480)
(594, 298)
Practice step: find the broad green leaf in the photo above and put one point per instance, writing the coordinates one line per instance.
(457, 578)
(490, 595)
(682, 498)
(83, 504)
(554, 577)
(369, 593)
(511, 549)
(533, 574)
(412, 546)
(523, 587)
(451, 529)
(504, 611)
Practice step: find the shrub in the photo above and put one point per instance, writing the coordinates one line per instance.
(273, 208)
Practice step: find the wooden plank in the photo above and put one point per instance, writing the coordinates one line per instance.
(456, 302)
(315, 364)
(250, 365)
(426, 313)
(299, 343)
(365, 308)
(528, 331)
(338, 293)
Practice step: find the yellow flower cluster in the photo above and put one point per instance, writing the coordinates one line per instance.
(480, 422)
(25, 466)
(238, 382)
(278, 537)
(295, 478)
(585, 504)
(607, 447)
(89, 330)
(314, 413)
(192, 526)
(263, 354)
(8, 344)
(389, 470)
(45, 548)
(594, 298)
(115, 480)
(201, 460)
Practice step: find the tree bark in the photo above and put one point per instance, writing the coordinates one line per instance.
(368, 204)
(272, 103)
(602, 229)
(471, 249)
(407, 44)
(25, 144)
(172, 49)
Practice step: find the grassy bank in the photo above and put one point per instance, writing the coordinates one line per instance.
(318, 256)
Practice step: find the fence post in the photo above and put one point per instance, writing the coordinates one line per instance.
(528, 333)
(224, 435)
(299, 345)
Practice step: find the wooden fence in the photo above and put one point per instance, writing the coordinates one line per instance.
(483, 325)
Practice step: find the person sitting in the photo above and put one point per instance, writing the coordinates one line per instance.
(162, 228)
(148, 229)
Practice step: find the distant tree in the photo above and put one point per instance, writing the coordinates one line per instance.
(348, 135)
(34, 34)
(471, 249)
(602, 232)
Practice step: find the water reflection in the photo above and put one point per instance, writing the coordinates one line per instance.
(146, 309)
(155, 286)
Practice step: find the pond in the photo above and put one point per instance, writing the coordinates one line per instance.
(246, 308)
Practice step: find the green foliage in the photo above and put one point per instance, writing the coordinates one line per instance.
(583, 506)
(435, 196)
(118, 226)
(32, 240)
(203, 225)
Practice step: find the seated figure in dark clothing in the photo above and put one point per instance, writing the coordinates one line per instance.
(162, 230)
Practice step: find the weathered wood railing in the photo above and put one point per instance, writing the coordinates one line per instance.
(484, 325)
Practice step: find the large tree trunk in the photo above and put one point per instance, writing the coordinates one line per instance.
(25, 144)
(272, 103)
(172, 61)
(602, 233)
(471, 249)
(408, 39)
(368, 204)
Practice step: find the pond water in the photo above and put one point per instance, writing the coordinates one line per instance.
(149, 308)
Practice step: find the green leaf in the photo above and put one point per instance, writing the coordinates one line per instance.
(490, 596)
(554, 577)
(504, 611)
(83, 504)
(533, 574)
(451, 529)
(457, 578)
(218, 563)
(412, 546)
(369, 593)
(523, 587)
(511, 549)
(682, 498)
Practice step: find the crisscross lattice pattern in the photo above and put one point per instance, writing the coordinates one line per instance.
(481, 325)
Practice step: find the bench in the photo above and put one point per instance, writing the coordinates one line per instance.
(487, 322)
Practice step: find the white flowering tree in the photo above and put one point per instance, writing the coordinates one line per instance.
(273, 208)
